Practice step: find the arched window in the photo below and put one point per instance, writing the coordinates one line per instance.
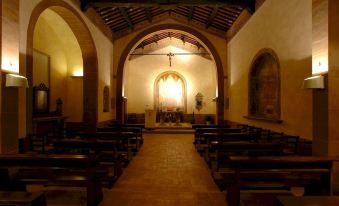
(170, 92)
(264, 86)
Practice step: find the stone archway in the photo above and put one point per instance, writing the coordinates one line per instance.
(89, 55)
(198, 35)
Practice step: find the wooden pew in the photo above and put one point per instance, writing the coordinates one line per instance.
(308, 201)
(223, 150)
(107, 151)
(199, 139)
(137, 130)
(312, 173)
(61, 170)
(128, 141)
(11, 198)
(221, 137)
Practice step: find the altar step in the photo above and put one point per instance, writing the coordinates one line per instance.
(169, 131)
(171, 128)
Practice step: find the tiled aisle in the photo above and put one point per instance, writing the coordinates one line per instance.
(167, 171)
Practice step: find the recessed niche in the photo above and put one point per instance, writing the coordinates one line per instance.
(264, 87)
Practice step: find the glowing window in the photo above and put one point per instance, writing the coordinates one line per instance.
(171, 92)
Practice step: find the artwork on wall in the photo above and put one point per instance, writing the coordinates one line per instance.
(106, 99)
(40, 99)
(198, 101)
(41, 68)
(264, 86)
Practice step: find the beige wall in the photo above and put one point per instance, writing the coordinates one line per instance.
(53, 37)
(104, 52)
(9, 59)
(142, 71)
(285, 27)
(10, 35)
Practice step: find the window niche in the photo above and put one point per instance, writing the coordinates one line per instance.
(264, 87)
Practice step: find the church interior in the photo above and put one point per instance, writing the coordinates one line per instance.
(169, 102)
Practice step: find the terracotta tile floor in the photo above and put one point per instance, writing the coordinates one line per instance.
(167, 171)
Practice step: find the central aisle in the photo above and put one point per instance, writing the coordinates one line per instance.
(167, 171)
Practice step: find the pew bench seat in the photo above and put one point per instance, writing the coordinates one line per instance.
(22, 198)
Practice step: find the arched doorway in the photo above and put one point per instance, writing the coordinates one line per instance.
(133, 43)
(89, 55)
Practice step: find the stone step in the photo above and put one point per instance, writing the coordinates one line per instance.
(169, 131)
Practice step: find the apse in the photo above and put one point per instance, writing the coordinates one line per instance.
(167, 74)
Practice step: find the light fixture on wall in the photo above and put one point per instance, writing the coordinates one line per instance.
(15, 80)
(314, 82)
(78, 73)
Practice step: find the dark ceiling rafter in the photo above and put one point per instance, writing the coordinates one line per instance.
(163, 35)
(167, 4)
(126, 17)
(211, 17)
(214, 16)
(190, 13)
(148, 14)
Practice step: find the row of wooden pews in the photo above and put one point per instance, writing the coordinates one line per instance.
(247, 158)
(92, 159)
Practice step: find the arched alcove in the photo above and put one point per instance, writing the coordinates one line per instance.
(88, 50)
(204, 41)
(264, 86)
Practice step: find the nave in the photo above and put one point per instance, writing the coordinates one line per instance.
(167, 171)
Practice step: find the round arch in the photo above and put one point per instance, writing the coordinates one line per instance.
(88, 50)
(198, 35)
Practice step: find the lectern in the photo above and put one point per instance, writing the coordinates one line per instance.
(150, 118)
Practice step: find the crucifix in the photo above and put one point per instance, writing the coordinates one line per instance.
(170, 55)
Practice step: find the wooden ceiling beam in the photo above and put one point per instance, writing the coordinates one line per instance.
(211, 17)
(167, 4)
(148, 14)
(126, 17)
(190, 14)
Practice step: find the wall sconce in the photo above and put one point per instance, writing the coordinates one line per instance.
(14, 80)
(315, 82)
(78, 73)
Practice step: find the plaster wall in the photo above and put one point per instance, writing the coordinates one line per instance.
(141, 73)
(9, 63)
(285, 27)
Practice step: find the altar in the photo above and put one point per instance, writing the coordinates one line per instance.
(170, 117)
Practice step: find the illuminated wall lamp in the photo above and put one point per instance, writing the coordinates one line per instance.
(14, 80)
(78, 73)
(315, 82)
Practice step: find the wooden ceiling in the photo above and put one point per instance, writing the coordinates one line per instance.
(215, 16)
(163, 35)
